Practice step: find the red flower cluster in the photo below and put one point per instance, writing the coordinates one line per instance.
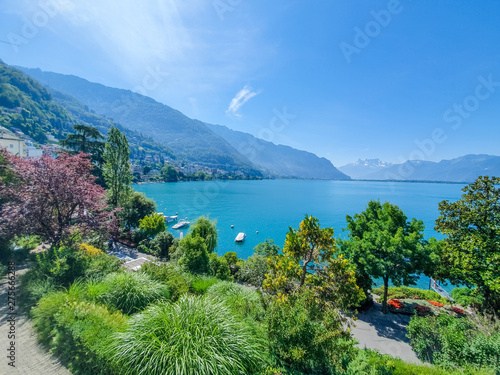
(422, 310)
(396, 303)
(438, 304)
(457, 310)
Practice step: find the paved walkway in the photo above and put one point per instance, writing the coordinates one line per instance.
(385, 333)
(30, 357)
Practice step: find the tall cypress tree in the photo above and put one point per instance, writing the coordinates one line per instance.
(117, 170)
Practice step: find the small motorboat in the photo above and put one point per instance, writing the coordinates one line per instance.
(181, 224)
(240, 237)
(169, 219)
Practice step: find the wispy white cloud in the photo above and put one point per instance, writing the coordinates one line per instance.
(243, 96)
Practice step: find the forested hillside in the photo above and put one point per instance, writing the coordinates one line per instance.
(29, 106)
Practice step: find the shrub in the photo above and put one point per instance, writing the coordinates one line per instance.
(161, 244)
(218, 267)
(466, 297)
(131, 292)
(303, 337)
(451, 342)
(196, 335)
(152, 224)
(373, 363)
(102, 265)
(78, 331)
(233, 261)
(403, 292)
(169, 275)
(90, 251)
(253, 271)
(194, 258)
(135, 208)
(33, 289)
(64, 264)
(200, 284)
(242, 300)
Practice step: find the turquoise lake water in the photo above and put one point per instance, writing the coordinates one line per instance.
(265, 209)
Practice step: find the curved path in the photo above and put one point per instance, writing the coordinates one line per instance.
(30, 357)
(385, 333)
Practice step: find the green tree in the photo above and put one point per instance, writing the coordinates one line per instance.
(152, 224)
(218, 267)
(88, 140)
(169, 174)
(471, 251)
(207, 230)
(310, 261)
(194, 256)
(267, 248)
(161, 244)
(383, 244)
(135, 208)
(117, 170)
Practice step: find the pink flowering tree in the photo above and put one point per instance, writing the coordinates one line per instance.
(52, 198)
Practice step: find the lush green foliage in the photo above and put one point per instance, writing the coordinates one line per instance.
(383, 244)
(304, 337)
(67, 323)
(207, 230)
(39, 114)
(471, 252)
(131, 292)
(152, 224)
(451, 342)
(467, 297)
(402, 292)
(196, 335)
(267, 248)
(200, 284)
(310, 261)
(253, 271)
(218, 267)
(194, 255)
(177, 283)
(162, 245)
(116, 167)
(243, 301)
(136, 207)
(169, 173)
(373, 363)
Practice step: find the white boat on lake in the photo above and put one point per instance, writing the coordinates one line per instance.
(240, 237)
(181, 224)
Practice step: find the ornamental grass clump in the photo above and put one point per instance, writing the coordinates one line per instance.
(243, 301)
(131, 292)
(196, 335)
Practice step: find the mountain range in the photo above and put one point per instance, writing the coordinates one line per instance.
(189, 139)
(462, 169)
(42, 103)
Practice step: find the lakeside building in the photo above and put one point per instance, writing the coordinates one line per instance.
(14, 144)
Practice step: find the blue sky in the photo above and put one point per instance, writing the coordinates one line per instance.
(394, 80)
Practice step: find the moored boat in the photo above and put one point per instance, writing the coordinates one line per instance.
(181, 224)
(240, 237)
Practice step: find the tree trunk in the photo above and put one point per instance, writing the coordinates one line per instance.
(385, 308)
